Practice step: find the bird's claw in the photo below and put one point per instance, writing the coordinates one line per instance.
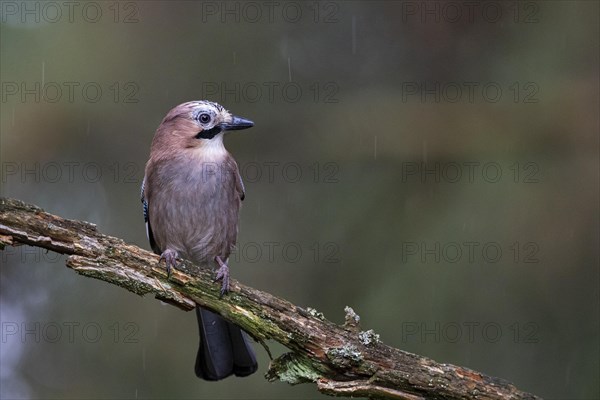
(170, 258)
(223, 276)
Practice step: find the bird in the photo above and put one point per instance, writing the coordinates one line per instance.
(191, 196)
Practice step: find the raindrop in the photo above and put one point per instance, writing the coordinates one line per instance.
(375, 147)
(353, 34)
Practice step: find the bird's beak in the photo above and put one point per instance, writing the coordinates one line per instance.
(237, 123)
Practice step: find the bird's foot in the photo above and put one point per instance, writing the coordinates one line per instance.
(223, 276)
(170, 257)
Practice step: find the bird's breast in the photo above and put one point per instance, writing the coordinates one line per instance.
(196, 210)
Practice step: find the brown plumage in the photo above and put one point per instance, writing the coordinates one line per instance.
(192, 193)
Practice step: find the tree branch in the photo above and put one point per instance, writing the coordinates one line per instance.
(341, 360)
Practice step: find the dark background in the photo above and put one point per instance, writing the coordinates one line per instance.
(432, 165)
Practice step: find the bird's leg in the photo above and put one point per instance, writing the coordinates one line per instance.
(170, 257)
(222, 275)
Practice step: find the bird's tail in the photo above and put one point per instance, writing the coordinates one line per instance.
(224, 348)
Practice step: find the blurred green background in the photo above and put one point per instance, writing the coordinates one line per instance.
(432, 165)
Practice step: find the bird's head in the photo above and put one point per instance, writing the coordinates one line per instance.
(197, 125)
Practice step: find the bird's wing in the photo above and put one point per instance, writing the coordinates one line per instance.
(147, 219)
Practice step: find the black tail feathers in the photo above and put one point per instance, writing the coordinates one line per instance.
(224, 349)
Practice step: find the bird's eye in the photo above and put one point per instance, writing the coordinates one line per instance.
(204, 118)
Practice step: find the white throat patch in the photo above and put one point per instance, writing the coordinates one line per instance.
(212, 149)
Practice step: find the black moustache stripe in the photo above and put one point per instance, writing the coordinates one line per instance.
(210, 133)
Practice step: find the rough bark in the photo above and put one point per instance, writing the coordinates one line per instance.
(341, 360)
